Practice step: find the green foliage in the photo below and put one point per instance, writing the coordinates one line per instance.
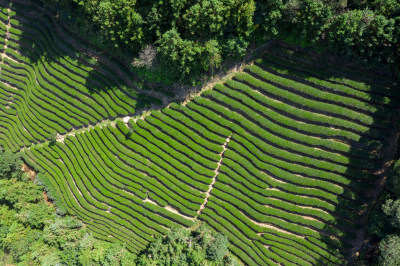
(269, 15)
(218, 248)
(193, 37)
(390, 251)
(10, 164)
(31, 232)
(285, 125)
(186, 247)
(53, 138)
(385, 222)
(368, 30)
(378, 224)
(183, 54)
(392, 209)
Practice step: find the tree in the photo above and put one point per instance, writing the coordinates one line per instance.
(218, 248)
(390, 251)
(53, 138)
(185, 247)
(183, 54)
(392, 209)
(10, 164)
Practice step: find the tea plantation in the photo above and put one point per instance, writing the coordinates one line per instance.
(283, 158)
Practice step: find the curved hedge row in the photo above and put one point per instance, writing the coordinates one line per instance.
(280, 156)
(52, 87)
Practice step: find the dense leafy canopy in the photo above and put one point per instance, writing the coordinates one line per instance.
(384, 223)
(198, 36)
(31, 232)
(186, 247)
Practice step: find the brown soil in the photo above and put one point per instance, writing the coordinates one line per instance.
(32, 175)
(216, 171)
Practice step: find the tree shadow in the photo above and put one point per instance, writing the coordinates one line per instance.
(42, 41)
(67, 62)
(379, 141)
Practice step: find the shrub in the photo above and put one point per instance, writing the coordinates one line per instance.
(218, 248)
(53, 138)
(392, 209)
(10, 164)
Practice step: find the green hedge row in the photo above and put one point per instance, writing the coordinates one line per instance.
(252, 230)
(122, 200)
(263, 197)
(239, 245)
(96, 194)
(181, 168)
(337, 74)
(301, 71)
(86, 162)
(242, 224)
(4, 17)
(244, 127)
(184, 135)
(299, 173)
(114, 97)
(318, 124)
(286, 220)
(261, 251)
(166, 142)
(123, 161)
(99, 141)
(61, 100)
(43, 101)
(85, 211)
(102, 99)
(193, 129)
(47, 118)
(160, 175)
(341, 114)
(258, 113)
(328, 101)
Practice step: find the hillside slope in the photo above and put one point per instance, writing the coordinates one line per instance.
(284, 159)
(286, 168)
(50, 86)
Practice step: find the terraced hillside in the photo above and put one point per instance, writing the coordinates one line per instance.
(284, 159)
(48, 85)
(284, 165)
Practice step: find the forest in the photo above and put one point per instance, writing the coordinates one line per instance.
(197, 37)
(212, 132)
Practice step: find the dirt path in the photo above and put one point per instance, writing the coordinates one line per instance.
(170, 209)
(388, 159)
(216, 171)
(103, 123)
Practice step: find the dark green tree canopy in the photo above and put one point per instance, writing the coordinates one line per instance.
(198, 36)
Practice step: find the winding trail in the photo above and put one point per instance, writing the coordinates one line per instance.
(216, 171)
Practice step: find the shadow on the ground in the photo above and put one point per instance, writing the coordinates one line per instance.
(353, 207)
(37, 35)
(42, 40)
